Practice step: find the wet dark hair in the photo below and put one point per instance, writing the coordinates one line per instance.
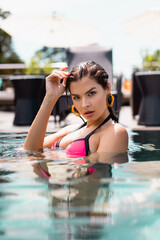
(94, 71)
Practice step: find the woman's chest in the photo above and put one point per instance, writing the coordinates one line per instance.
(93, 140)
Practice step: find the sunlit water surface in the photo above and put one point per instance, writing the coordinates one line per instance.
(50, 196)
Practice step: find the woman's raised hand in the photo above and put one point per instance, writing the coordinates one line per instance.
(54, 86)
(54, 89)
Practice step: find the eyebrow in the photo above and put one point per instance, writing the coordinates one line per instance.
(85, 92)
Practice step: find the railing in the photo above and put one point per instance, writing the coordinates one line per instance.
(14, 67)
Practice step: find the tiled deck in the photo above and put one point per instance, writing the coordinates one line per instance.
(126, 119)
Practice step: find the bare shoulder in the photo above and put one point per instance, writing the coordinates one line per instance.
(116, 129)
(119, 130)
(114, 139)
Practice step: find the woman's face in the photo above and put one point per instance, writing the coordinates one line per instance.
(89, 98)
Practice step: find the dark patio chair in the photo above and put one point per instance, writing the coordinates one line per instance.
(118, 101)
(99, 54)
(136, 96)
(149, 87)
(29, 93)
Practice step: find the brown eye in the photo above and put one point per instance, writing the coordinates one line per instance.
(75, 97)
(91, 93)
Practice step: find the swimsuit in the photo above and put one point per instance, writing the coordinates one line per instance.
(80, 147)
(45, 174)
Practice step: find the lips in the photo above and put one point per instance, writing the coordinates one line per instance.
(88, 113)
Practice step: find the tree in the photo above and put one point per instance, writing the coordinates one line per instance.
(42, 60)
(7, 53)
(151, 61)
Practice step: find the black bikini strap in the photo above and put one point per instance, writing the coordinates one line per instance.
(81, 126)
(88, 136)
(58, 143)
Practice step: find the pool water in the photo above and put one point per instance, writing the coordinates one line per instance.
(50, 196)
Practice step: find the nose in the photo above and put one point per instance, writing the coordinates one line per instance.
(85, 102)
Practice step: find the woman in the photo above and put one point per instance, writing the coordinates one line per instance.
(90, 91)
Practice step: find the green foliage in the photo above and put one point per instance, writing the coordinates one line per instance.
(38, 66)
(151, 62)
(53, 54)
(41, 62)
(7, 53)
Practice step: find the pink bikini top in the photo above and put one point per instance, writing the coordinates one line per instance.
(80, 147)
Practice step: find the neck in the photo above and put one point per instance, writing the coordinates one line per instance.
(100, 119)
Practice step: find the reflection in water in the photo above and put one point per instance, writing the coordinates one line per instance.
(66, 196)
(146, 146)
(145, 170)
(81, 200)
(78, 196)
(47, 195)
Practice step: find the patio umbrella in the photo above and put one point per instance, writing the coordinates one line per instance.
(50, 31)
(146, 25)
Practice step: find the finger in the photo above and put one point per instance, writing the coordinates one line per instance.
(60, 74)
(66, 73)
(64, 82)
(54, 77)
(63, 74)
(64, 68)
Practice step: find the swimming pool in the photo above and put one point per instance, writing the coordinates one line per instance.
(116, 201)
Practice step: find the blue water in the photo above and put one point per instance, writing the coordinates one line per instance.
(117, 201)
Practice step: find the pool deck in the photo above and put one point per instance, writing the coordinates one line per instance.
(125, 118)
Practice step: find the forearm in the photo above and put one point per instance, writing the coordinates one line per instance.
(37, 131)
